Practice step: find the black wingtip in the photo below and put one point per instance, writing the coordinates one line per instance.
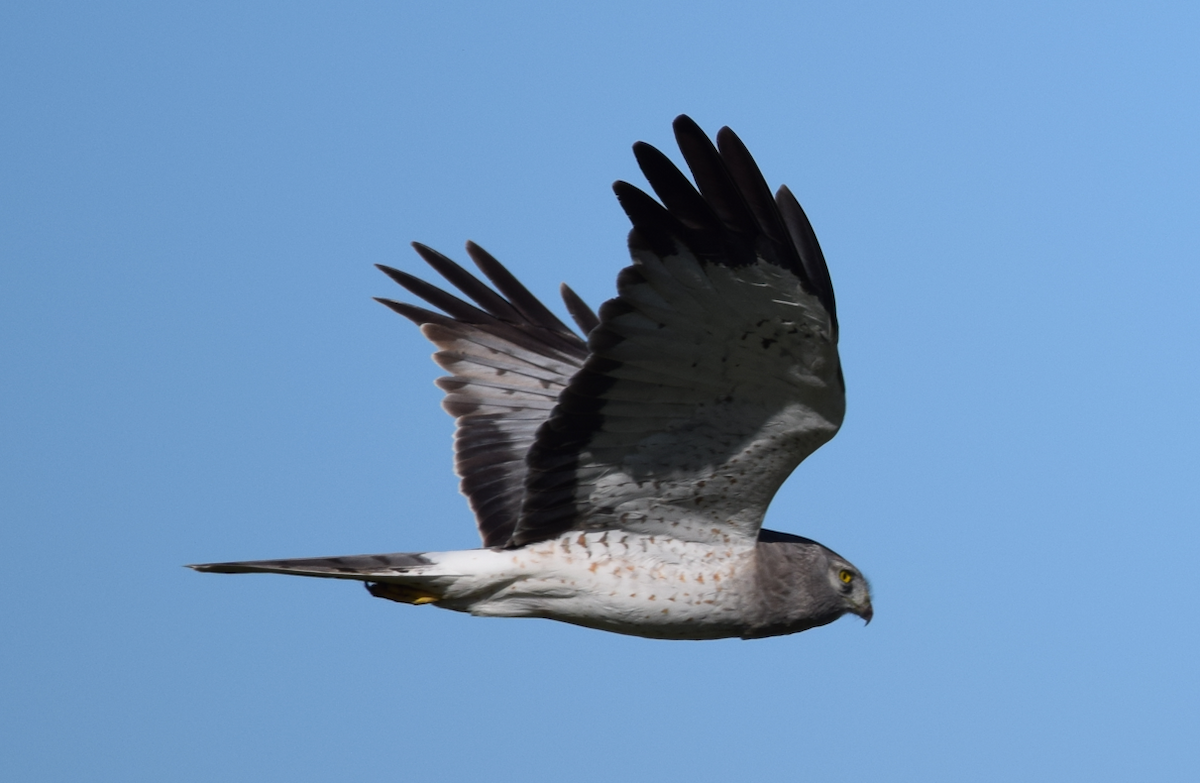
(583, 315)
(418, 315)
(520, 298)
(730, 214)
(812, 259)
(653, 225)
(391, 272)
(683, 124)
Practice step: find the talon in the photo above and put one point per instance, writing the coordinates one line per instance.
(401, 593)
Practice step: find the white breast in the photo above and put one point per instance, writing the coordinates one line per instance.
(613, 580)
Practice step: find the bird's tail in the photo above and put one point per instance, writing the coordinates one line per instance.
(402, 576)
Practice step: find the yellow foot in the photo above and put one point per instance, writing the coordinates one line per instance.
(401, 593)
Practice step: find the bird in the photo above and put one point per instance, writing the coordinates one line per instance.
(619, 476)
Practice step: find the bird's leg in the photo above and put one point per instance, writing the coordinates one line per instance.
(404, 594)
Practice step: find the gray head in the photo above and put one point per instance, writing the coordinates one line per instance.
(802, 584)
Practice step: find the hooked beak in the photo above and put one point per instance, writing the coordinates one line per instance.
(866, 614)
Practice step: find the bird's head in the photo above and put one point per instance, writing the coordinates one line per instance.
(851, 586)
(803, 584)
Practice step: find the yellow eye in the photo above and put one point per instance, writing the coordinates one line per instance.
(846, 576)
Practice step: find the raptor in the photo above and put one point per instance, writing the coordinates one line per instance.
(619, 480)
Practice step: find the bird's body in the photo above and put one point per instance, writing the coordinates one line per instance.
(644, 585)
(621, 483)
(613, 581)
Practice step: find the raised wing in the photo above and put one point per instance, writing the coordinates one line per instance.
(711, 375)
(508, 359)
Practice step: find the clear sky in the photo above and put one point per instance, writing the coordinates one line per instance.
(192, 197)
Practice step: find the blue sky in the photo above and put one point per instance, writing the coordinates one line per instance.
(192, 369)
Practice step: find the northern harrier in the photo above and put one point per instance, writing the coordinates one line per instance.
(620, 481)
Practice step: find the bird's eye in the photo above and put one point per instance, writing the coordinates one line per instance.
(845, 576)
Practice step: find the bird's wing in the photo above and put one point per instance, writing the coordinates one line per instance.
(508, 360)
(711, 375)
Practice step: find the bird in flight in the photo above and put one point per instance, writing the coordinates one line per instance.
(619, 480)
